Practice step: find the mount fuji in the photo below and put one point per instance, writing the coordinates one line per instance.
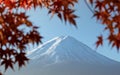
(67, 56)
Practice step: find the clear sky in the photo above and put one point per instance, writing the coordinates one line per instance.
(87, 28)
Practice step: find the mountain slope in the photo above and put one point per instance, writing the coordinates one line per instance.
(66, 56)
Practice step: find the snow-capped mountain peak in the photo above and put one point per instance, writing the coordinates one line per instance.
(66, 48)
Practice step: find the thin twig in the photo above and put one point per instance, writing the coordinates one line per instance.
(88, 6)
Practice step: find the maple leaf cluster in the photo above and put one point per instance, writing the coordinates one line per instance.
(13, 39)
(108, 13)
(63, 9)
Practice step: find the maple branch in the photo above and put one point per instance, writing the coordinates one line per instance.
(88, 6)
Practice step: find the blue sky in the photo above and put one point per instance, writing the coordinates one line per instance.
(87, 28)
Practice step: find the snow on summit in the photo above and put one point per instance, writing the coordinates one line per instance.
(65, 55)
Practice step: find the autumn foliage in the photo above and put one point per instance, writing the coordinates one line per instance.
(13, 18)
(108, 13)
